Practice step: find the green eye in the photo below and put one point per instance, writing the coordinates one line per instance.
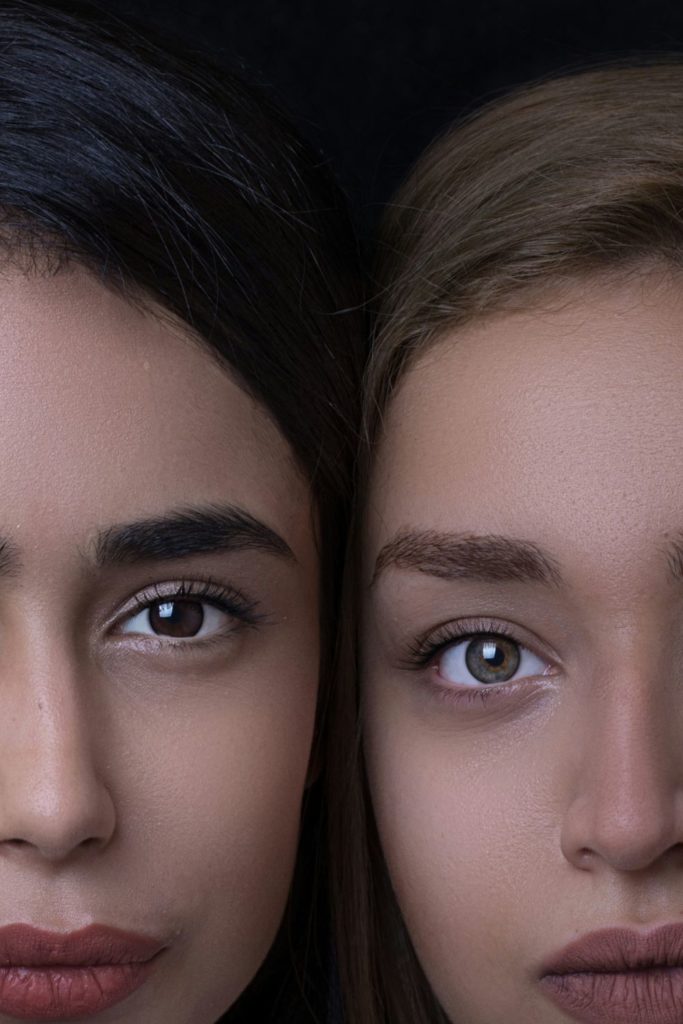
(492, 659)
(487, 658)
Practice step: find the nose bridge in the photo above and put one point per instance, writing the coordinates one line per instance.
(627, 805)
(52, 798)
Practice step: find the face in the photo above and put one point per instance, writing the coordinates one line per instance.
(159, 630)
(522, 650)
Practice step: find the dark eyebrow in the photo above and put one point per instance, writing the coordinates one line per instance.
(185, 532)
(451, 556)
(673, 549)
(9, 558)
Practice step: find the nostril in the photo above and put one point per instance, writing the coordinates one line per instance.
(56, 850)
(90, 842)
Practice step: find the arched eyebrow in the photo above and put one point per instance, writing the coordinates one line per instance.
(488, 557)
(185, 532)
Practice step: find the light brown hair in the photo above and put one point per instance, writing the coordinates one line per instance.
(559, 182)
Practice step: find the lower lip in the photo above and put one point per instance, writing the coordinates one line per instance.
(650, 996)
(67, 993)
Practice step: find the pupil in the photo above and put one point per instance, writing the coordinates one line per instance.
(492, 659)
(493, 654)
(176, 618)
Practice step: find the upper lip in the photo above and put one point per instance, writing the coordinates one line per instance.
(23, 945)
(615, 950)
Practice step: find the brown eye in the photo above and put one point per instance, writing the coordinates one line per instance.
(181, 618)
(492, 659)
(178, 618)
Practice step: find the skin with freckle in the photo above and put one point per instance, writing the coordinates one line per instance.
(146, 785)
(552, 805)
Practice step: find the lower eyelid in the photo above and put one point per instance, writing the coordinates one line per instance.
(501, 694)
(151, 644)
(151, 640)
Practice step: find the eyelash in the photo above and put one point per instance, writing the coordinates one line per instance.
(226, 598)
(422, 652)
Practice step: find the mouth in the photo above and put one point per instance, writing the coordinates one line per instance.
(67, 975)
(620, 975)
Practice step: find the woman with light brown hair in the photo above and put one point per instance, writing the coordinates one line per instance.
(509, 838)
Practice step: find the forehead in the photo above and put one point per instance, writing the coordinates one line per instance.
(106, 410)
(565, 421)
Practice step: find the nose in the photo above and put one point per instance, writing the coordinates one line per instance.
(54, 803)
(625, 808)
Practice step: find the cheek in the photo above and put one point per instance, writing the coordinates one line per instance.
(461, 815)
(218, 801)
(239, 779)
(436, 823)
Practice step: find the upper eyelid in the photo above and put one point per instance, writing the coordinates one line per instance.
(178, 589)
(143, 603)
(439, 640)
(209, 591)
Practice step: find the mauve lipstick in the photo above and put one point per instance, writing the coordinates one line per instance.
(619, 975)
(66, 975)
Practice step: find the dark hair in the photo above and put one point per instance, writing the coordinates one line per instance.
(567, 180)
(186, 189)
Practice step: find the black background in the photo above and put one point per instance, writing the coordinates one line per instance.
(372, 82)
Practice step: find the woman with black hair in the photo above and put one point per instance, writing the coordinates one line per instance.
(178, 391)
